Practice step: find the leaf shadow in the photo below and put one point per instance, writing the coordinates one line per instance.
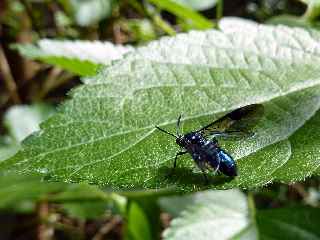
(185, 176)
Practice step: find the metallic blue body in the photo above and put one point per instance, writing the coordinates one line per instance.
(207, 153)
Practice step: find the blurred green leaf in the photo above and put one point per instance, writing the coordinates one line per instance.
(138, 226)
(184, 12)
(313, 9)
(105, 134)
(210, 215)
(88, 12)
(22, 120)
(198, 5)
(85, 210)
(140, 30)
(21, 193)
(8, 147)
(289, 20)
(16, 191)
(289, 223)
(80, 57)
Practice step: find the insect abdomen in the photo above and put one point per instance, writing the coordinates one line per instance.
(227, 164)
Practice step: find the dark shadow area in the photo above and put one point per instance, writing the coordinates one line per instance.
(185, 176)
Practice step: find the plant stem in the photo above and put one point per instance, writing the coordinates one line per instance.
(107, 227)
(33, 20)
(8, 78)
(154, 16)
(45, 232)
(163, 25)
(219, 9)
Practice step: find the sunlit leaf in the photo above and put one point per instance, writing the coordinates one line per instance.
(210, 215)
(80, 57)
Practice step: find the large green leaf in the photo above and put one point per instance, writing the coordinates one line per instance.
(210, 215)
(105, 134)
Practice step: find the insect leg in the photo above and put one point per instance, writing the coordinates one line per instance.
(217, 168)
(204, 175)
(202, 166)
(175, 159)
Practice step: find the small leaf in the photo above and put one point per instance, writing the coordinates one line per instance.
(79, 57)
(211, 215)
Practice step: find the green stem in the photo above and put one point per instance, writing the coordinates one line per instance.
(154, 16)
(251, 205)
(163, 25)
(219, 9)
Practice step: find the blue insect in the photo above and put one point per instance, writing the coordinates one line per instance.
(203, 145)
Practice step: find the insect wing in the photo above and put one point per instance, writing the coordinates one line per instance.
(235, 125)
(231, 135)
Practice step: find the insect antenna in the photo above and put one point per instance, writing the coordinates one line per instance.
(179, 125)
(162, 130)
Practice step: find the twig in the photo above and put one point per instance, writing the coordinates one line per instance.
(45, 232)
(8, 78)
(299, 189)
(106, 228)
(55, 79)
(49, 83)
(33, 20)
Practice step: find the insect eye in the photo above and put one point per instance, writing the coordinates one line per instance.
(193, 140)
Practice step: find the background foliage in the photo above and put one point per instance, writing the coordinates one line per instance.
(95, 168)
